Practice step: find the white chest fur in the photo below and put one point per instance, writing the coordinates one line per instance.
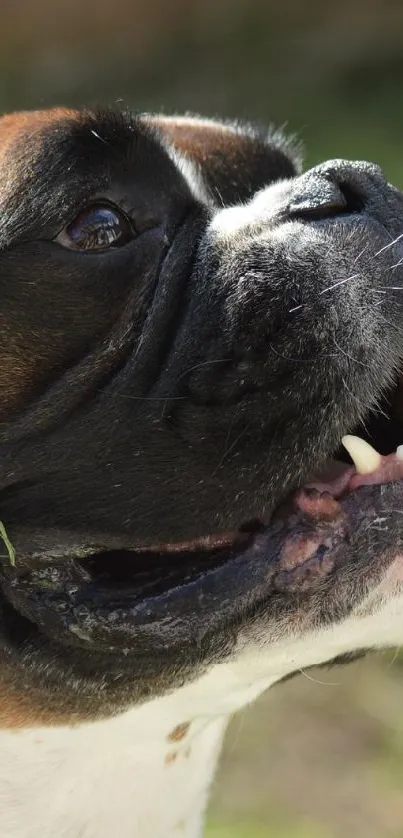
(146, 773)
(124, 777)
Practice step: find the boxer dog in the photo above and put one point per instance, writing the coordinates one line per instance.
(193, 334)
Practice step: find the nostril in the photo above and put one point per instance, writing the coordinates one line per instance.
(315, 199)
(320, 211)
(353, 201)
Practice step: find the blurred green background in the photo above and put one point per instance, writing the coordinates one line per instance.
(331, 71)
(309, 760)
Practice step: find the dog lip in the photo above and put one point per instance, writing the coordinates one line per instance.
(214, 541)
(294, 554)
(38, 549)
(73, 612)
(56, 591)
(224, 574)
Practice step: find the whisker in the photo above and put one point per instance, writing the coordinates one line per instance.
(396, 265)
(361, 253)
(204, 364)
(340, 282)
(230, 427)
(317, 681)
(343, 351)
(95, 134)
(393, 325)
(230, 448)
(387, 246)
(395, 656)
(353, 396)
(220, 196)
(299, 360)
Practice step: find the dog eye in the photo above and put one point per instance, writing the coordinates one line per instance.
(97, 228)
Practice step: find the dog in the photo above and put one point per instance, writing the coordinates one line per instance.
(200, 464)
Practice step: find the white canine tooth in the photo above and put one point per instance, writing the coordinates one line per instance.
(399, 452)
(363, 455)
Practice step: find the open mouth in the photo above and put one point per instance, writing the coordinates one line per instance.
(372, 455)
(108, 594)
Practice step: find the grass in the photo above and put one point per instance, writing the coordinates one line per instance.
(7, 542)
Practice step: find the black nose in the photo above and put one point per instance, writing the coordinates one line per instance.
(336, 187)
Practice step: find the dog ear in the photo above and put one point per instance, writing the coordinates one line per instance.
(235, 159)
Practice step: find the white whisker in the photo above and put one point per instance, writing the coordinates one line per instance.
(340, 282)
(393, 325)
(387, 246)
(366, 407)
(396, 265)
(317, 681)
(361, 253)
(95, 134)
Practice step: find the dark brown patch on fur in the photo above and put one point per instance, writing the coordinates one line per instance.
(225, 152)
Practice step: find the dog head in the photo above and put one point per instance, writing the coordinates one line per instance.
(189, 326)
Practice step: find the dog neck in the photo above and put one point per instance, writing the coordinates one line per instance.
(148, 771)
(128, 776)
(145, 772)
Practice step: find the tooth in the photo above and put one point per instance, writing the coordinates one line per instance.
(364, 456)
(399, 452)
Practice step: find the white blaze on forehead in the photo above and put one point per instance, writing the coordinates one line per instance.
(364, 456)
(190, 171)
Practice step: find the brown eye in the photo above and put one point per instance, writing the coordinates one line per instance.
(96, 229)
